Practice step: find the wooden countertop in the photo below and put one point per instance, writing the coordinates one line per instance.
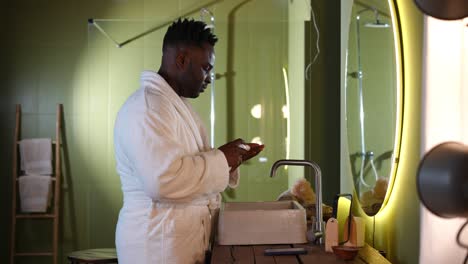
(315, 254)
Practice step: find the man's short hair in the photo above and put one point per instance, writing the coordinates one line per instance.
(188, 32)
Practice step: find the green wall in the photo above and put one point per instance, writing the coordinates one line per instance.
(50, 55)
(257, 51)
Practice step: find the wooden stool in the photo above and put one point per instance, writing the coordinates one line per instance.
(97, 255)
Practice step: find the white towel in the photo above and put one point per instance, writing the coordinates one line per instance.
(34, 192)
(36, 156)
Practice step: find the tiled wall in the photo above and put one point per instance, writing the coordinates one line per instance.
(50, 55)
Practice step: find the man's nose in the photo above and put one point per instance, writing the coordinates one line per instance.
(208, 78)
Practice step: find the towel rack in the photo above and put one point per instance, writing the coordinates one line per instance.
(54, 212)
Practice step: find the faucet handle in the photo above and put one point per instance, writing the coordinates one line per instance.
(314, 234)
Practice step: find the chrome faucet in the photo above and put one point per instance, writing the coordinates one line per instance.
(318, 232)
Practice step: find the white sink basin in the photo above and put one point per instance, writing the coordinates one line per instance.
(253, 223)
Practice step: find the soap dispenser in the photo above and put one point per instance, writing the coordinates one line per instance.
(331, 234)
(355, 230)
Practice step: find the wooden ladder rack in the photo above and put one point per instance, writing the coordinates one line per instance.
(54, 215)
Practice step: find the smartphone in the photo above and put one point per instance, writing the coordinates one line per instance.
(284, 251)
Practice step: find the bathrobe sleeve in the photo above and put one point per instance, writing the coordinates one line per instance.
(166, 159)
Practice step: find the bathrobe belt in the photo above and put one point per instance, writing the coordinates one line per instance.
(134, 202)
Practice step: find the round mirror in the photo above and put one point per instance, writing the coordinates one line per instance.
(373, 97)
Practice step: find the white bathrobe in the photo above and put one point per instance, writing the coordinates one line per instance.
(170, 177)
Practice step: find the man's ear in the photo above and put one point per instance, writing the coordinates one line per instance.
(182, 59)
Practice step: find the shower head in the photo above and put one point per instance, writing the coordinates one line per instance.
(374, 24)
(377, 24)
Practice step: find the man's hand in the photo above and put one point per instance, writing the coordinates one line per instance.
(238, 151)
(254, 150)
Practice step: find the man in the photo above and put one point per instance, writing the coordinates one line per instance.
(170, 176)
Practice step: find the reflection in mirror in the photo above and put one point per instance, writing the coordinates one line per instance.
(372, 101)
